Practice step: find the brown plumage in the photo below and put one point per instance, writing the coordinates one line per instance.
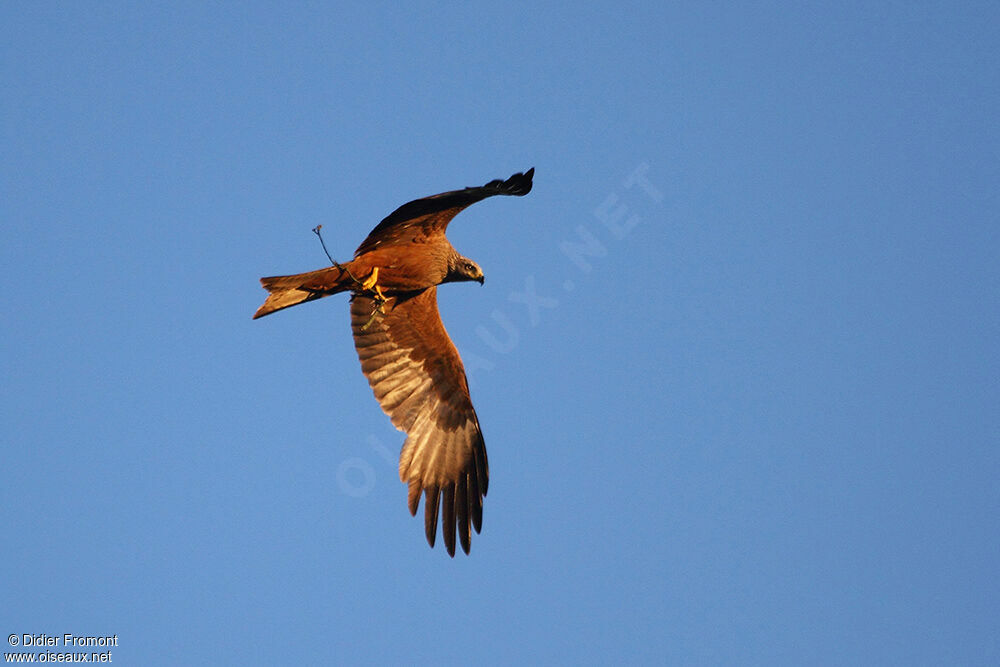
(406, 354)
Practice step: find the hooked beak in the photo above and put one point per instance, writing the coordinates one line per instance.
(481, 280)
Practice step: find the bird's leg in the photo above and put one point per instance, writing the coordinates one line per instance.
(370, 284)
(371, 280)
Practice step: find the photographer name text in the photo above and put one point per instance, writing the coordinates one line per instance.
(66, 639)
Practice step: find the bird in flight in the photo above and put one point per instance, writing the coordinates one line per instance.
(406, 354)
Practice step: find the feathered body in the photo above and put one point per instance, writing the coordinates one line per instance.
(411, 364)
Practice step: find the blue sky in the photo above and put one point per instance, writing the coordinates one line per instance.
(747, 415)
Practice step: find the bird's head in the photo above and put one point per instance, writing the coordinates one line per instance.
(462, 269)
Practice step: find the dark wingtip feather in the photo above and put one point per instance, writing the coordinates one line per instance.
(462, 512)
(519, 184)
(475, 501)
(448, 519)
(482, 467)
(413, 496)
(431, 514)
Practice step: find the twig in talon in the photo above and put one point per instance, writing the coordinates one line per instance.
(380, 300)
(375, 311)
(316, 231)
(370, 284)
(349, 274)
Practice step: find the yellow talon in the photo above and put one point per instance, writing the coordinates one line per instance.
(369, 282)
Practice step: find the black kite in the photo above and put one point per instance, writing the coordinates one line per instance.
(406, 354)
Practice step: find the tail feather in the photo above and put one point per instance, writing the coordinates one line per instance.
(286, 291)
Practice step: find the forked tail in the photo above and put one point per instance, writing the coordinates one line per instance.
(288, 291)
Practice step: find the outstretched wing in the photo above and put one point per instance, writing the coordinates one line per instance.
(418, 378)
(423, 217)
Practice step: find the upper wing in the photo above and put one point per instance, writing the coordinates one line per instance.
(422, 217)
(418, 378)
